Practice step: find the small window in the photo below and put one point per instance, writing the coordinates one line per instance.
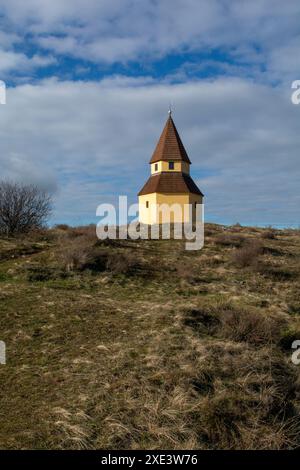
(156, 167)
(147, 204)
(171, 165)
(195, 205)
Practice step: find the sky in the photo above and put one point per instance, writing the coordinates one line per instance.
(89, 84)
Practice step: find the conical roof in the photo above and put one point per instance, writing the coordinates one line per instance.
(170, 146)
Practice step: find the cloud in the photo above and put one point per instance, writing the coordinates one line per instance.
(260, 33)
(17, 61)
(7, 40)
(20, 63)
(93, 140)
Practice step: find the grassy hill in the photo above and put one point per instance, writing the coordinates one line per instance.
(129, 345)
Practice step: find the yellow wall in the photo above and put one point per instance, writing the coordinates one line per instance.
(164, 166)
(144, 213)
(164, 203)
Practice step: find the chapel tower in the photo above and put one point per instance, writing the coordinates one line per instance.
(170, 181)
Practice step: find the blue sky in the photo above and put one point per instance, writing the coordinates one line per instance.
(89, 86)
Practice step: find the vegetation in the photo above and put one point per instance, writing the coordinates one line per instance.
(141, 344)
(22, 208)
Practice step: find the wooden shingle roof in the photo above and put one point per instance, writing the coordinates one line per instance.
(170, 183)
(169, 146)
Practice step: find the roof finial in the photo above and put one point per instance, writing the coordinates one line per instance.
(170, 110)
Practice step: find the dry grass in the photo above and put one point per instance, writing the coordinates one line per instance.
(249, 404)
(227, 321)
(136, 345)
(248, 255)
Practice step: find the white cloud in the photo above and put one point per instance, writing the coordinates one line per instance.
(94, 140)
(11, 60)
(17, 61)
(20, 63)
(257, 32)
(7, 40)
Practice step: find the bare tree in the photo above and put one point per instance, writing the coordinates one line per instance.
(22, 207)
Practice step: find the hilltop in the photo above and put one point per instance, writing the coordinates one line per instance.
(130, 345)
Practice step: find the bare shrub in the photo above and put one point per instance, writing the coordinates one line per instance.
(123, 263)
(88, 231)
(63, 227)
(230, 240)
(83, 253)
(212, 229)
(187, 273)
(270, 250)
(250, 326)
(203, 321)
(22, 208)
(74, 255)
(269, 234)
(43, 273)
(235, 324)
(248, 255)
(39, 235)
(236, 227)
(79, 254)
(278, 273)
